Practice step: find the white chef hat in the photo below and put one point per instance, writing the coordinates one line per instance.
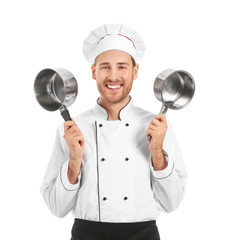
(110, 37)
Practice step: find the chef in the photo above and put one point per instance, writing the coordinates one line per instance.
(102, 168)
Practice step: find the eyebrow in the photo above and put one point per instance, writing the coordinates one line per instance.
(104, 63)
(119, 63)
(122, 63)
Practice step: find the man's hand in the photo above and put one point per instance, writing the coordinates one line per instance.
(75, 142)
(157, 130)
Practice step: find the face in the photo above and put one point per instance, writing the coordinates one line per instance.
(114, 73)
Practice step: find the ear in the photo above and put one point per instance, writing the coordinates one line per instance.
(135, 71)
(93, 71)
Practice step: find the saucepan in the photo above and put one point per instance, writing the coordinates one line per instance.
(56, 89)
(174, 88)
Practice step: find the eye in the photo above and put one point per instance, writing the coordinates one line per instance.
(104, 67)
(122, 67)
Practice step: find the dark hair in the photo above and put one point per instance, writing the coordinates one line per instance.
(133, 62)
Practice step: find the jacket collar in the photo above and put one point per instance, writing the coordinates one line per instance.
(102, 114)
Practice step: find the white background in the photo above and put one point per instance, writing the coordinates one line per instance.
(187, 35)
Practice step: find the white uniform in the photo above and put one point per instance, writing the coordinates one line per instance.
(117, 182)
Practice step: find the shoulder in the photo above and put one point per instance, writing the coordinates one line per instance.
(80, 119)
(142, 114)
(83, 117)
(146, 116)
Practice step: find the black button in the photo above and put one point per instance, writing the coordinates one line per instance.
(127, 124)
(104, 199)
(100, 125)
(103, 159)
(126, 159)
(125, 198)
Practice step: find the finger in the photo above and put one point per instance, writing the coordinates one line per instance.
(149, 132)
(69, 124)
(152, 131)
(161, 118)
(78, 139)
(74, 132)
(153, 127)
(74, 121)
(71, 129)
(75, 138)
(157, 128)
(155, 122)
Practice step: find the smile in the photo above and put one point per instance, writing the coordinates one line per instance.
(113, 86)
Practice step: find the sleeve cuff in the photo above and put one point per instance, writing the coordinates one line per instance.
(165, 172)
(65, 181)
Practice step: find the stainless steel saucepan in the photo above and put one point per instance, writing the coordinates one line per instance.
(174, 88)
(56, 89)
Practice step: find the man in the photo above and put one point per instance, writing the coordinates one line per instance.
(102, 168)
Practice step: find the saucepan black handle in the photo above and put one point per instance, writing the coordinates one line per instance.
(65, 113)
(162, 111)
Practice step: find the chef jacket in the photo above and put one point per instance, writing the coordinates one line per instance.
(117, 182)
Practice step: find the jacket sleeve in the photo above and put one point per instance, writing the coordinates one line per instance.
(58, 193)
(169, 183)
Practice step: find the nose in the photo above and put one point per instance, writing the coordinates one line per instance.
(113, 74)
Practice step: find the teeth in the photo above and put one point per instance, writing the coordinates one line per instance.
(113, 86)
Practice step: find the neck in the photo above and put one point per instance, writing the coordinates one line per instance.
(113, 109)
